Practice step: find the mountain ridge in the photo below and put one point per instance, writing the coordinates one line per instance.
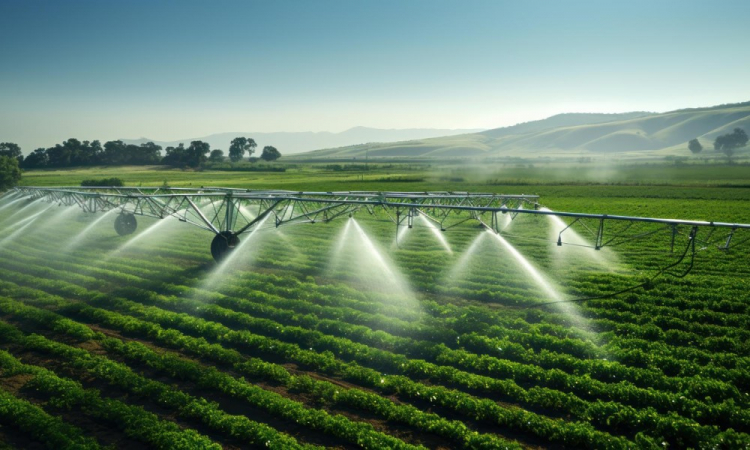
(290, 143)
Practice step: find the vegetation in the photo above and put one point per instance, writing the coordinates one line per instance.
(239, 146)
(11, 150)
(694, 146)
(216, 155)
(114, 181)
(10, 173)
(550, 179)
(270, 153)
(75, 153)
(194, 156)
(146, 345)
(632, 135)
(728, 143)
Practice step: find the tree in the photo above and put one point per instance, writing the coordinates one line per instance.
(694, 146)
(62, 155)
(270, 153)
(91, 153)
(114, 153)
(216, 155)
(176, 156)
(10, 173)
(36, 159)
(239, 146)
(76, 153)
(147, 153)
(11, 150)
(728, 143)
(196, 154)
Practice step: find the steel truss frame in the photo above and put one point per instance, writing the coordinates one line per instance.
(237, 211)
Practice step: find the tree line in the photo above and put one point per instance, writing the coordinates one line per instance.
(114, 153)
(726, 143)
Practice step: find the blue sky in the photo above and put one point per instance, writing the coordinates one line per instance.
(171, 70)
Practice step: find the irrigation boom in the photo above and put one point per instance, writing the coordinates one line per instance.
(228, 212)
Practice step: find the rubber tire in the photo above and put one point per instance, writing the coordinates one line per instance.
(222, 244)
(125, 224)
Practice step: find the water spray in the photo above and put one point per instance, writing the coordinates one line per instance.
(10, 203)
(202, 208)
(26, 223)
(86, 231)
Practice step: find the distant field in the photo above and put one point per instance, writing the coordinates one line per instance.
(422, 176)
(322, 335)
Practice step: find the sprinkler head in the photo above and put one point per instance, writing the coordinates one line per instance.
(559, 241)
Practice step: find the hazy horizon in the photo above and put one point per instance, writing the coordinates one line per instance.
(172, 70)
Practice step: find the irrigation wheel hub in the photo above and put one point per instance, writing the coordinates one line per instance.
(125, 224)
(223, 243)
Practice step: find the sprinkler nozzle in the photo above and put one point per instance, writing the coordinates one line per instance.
(559, 241)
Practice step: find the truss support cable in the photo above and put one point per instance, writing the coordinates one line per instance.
(260, 217)
(203, 217)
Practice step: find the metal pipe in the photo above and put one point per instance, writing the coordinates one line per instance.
(200, 214)
(382, 199)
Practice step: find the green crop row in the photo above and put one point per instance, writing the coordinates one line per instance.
(682, 404)
(213, 379)
(137, 423)
(687, 339)
(36, 422)
(547, 343)
(489, 411)
(714, 383)
(238, 426)
(723, 413)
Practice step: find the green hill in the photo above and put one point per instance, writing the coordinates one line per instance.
(630, 134)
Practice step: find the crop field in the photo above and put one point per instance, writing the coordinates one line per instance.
(354, 334)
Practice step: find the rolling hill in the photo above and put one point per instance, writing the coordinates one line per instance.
(636, 134)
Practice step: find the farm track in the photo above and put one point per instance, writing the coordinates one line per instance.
(369, 340)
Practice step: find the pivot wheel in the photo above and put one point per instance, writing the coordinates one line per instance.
(125, 224)
(223, 243)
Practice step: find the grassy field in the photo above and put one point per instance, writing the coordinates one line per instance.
(420, 176)
(320, 335)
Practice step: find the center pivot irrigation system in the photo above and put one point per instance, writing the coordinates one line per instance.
(229, 213)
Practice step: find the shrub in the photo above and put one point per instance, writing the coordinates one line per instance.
(104, 182)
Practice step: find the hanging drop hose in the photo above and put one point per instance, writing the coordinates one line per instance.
(689, 249)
